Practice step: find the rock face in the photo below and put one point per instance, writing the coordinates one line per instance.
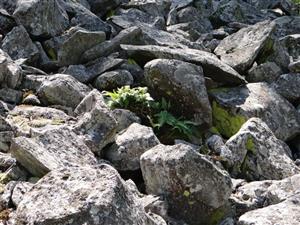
(93, 195)
(54, 149)
(233, 106)
(240, 49)
(193, 186)
(58, 85)
(182, 83)
(258, 155)
(130, 145)
(286, 212)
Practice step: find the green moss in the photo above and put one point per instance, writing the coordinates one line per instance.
(4, 178)
(266, 51)
(186, 193)
(226, 123)
(250, 144)
(214, 130)
(217, 216)
(218, 90)
(52, 54)
(131, 61)
(110, 13)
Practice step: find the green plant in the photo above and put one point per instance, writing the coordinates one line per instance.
(154, 113)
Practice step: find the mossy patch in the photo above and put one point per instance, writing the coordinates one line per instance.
(217, 216)
(250, 145)
(226, 122)
(52, 54)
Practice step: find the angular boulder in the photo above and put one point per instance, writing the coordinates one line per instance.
(234, 106)
(240, 49)
(183, 84)
(55, 148)
(129, 145)
(196, 190)
(85, 195)
(258, 155)
(58, 85)
(212, 66)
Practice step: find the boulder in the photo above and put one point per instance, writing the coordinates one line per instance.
(125, 118)
(288, 85)
(265, 72)
(113, 79)
(42, 18)
(183, 84)
(18, 44)
(129, 145)
(102, 7)
(294, 67)
(10, 95)
(258, 155)
(240, 49)
(286, 212)
(287, 25)
(54, 87)
(196, 190)
(231, 107)
(212, 66)
(96, 123)
(92, 195)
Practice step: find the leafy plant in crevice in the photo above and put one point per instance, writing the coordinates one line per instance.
(153, 113)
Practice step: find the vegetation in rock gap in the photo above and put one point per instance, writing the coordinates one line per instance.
(154, 113)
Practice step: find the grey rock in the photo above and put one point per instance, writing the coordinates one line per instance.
(6, 161)
(33, 82)
(77, 71)
(80, 41)
(58, 85)
(5, 197)
(125, 118)
(233, 106)
(6, 22)
(217, 146)
(268, 72)
(295, 66)
(286, 212)
(43, 18)
(240, 52)
(194, 187)
(287, 25)
(9, 6)
(96, 123)
(113, 79)
(288, 85)
(212, 66)
(291, 44)
(18, 44)
(31, 99)
(54, 149)
(10, 95)
(10, 73)
(20, 189)
(155, 8)
(258, 155)
(182, 83)
(130, 145)
(126, 36)
(102, 7)
(92, 195)
(25, 118)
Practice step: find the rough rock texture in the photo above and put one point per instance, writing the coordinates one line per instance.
(267, 72)
(42, 17)
(233, 106)
(130, 145)
(92, 195)
(196, 189)
(240, 49)
(55, 148)
(58, 85)
(211, 65)
(182, 83)
(286, 212)
(258, 155)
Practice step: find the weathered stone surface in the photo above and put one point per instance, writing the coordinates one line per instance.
(267, 72)
(55, 148)
(286, 212)
(126, 36)
(240, 49)
(45, 18)
(295, 66)
(18, 44)
(211, 65)
(113, 79)
(130, 145)
(58, 85)
(287, 25)
(92, 195)
(20, 189)
(291, 44)
(102, 7)
(155, 7)
(258, 155)
(96, 123)
(80, 41)
(182, 83)
(10, 72)
(233, 106)
(6, 161)
(10, 95)
(125, 118)
(288, 86)
(195, 189)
